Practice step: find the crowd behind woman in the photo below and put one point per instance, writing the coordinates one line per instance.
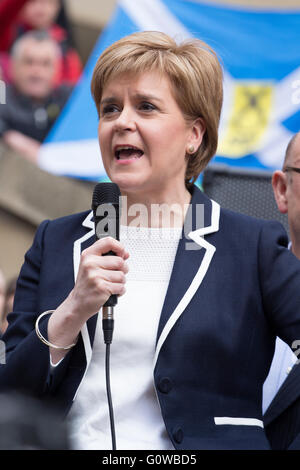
(39, 66)
(20, 16)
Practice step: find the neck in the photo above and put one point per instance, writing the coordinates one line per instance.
(156, 211)
(295, 247)
(295, 239)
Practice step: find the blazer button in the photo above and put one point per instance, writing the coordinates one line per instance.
(178, 435)
(165, 385)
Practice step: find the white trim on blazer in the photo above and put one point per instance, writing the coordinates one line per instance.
(76, 261)
(223, 420)
(197, 237)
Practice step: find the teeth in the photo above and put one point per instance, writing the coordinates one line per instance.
(127, 147)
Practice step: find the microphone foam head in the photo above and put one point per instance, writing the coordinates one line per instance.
(106, 193)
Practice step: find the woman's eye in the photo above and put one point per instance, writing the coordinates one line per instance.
(147, 106)
(109, 109)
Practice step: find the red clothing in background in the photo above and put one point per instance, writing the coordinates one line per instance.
(69, 68)
(9, 10)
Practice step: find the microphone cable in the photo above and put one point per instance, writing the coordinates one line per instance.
(109, 399)
(108, 327)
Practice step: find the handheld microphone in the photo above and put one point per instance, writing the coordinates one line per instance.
(105, 206)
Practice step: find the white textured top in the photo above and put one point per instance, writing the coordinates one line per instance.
(138, 420)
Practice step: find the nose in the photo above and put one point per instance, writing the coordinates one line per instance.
(126, 120)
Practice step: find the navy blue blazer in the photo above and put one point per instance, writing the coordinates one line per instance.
(282, 418)
(226, 302)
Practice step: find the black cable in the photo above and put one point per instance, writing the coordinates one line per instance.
(109, 399)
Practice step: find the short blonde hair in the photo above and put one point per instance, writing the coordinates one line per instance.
(194, 73)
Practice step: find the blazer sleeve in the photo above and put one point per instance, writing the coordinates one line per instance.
(27, 360)
(279, 275)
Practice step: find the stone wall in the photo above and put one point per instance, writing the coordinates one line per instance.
(29, 195)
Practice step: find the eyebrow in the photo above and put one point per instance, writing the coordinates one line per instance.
(141, 96)
(144, 96)
(108, 100)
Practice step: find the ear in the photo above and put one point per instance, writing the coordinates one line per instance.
(279, 183)
(198, 129)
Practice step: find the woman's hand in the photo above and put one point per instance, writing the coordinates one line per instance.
(98, 278)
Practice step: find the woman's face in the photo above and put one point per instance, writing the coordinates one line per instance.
(143, 135)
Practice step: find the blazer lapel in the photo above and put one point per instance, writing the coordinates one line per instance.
(88, 329)
(192, 261)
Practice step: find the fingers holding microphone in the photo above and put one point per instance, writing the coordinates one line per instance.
(99, 276)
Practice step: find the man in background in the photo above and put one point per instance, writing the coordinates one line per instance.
(33, 102)
(286, 186)
(282, 418)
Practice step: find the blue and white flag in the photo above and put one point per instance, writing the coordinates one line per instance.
(260, 54)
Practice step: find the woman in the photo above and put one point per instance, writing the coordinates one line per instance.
(204, 300)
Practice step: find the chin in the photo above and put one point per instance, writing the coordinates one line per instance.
(128, 183)
(37, 94)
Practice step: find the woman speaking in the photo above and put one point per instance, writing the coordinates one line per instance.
(207, 290)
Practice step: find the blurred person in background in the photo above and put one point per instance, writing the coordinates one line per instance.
(33, 102)
(282, 417)
(284, 357)
(19, 16)
(28, 424)
(286, 187)
(8, 303)
(42, 15)
(2, 299)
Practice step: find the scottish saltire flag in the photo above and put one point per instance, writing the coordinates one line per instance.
(260, 54)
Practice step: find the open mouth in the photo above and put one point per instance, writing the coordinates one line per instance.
(127, 152)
